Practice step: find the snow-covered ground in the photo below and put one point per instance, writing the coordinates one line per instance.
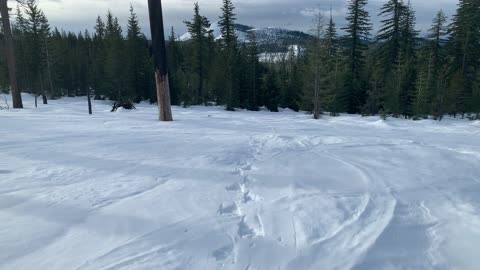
(235, 190)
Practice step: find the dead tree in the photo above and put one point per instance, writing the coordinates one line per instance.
(160, 59)
(10, 54)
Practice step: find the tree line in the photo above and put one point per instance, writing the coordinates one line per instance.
(108, 63)
(393, 72)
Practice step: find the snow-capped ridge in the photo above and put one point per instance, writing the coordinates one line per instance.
(270, 39)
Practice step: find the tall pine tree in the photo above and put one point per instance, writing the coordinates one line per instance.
(464, 49)
(199, 31)
(358, 34)
(115, 69)
(389, 38)
(138, 71)
(229, 52)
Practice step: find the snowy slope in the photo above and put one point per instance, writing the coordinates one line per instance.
(269, 39)
(241, 30)
(235, 190)
(215, 28)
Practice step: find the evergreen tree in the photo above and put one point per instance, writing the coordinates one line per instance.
(358, 33)
(58, 62)
(253, 73)
(83, 63)
(198, 28)
(333, 68)
(4, 80)
(408, 59)
(311, 92)
(375, 97)
(138, 62)
(174, 66)
(390, 38)
(211, 54)
(437, 34)
(429, 87)
(397, 75)
(19, 30)
(243, 76)
(36, 31)
(317, 94)
(283, 73)
(229, 51)
(292, 99)
(271, 90)
(421, 104)
(99, 84)
(115, 69)
(464, 50)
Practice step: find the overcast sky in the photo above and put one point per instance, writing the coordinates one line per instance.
(77, 15)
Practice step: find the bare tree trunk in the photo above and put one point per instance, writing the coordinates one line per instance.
(89, 89)
(316, 103)
(160, 59)
(10, 53)
(254, 105)
(335, 113)
(89, 101)
(44, 96)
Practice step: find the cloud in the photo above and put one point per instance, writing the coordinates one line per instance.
(77, 15)
(310, 12)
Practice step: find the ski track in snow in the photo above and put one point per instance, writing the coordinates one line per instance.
(234, 190)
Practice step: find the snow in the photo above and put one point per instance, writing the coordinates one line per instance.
(269, 35)
(234, 190)
(216, 32)
(277, 57)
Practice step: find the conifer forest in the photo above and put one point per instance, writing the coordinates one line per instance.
(349, 69)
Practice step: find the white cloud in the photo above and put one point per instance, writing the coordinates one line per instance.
(77, 15)
(310, 12)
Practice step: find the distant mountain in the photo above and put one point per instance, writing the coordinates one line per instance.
(269, 39)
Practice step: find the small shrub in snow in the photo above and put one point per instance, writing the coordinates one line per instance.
(128, 105)
(473, 117)
(383, 115)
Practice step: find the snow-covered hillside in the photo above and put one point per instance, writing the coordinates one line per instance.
(235, 190)
(269, 39)
(241, 30)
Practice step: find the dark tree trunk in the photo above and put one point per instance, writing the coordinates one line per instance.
(36, 100)
(10, 54)
(160, 59)
(89, 102)
(44, 96)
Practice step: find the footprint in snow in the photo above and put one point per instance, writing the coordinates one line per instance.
(250, 227)
(235, 187)
(249, 196)
(223, 253)
(229, 208)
